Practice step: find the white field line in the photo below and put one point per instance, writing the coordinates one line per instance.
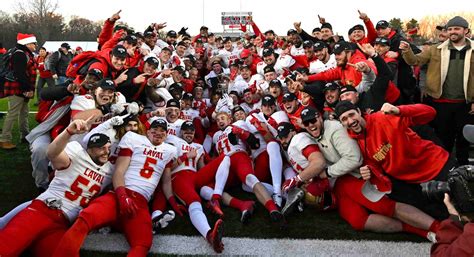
(170, 244)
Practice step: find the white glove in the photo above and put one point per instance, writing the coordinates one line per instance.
(133, 108)
(117, 108)
(230, 102)
(117, 120)
(221, 103)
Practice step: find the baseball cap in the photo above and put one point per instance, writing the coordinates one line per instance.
(382, 41)
(270, 31)
(267, 44)
(152, 61)
(284, 129)
(106, 84)
(275, 82)
(215, 62)
(180, 69)
(96, 72)
(308, 44)
(268, 68)
(227, 39)
(172, 103)
(203, 28)
(159, 123)
(98, 140)
(268, 100)
(441, 27)
(382, 24)
(245, 53)
(149, 34)
(172, 33)
(131, 39)
(457, 21)
(347, 88)
(244, 66)
(66, 45)
(330, 86)
(174, 87)
(78, 48)
(289, 97)
(326, 26)
(291, 32)
(342, 46)
(344, 106)
(309, 113)
(187, 125)
(316, 29)
(267, 52)
(119, 51)
(187, 96)
(319, 45)
(356, 27)
(237, 108)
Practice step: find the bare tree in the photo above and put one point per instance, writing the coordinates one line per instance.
(38, 8)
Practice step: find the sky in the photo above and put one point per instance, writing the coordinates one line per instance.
(277, 15)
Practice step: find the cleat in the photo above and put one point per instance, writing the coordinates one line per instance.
(215, 207)
(277, 199)
(214, 236)
(162, 220)
(247, 212)
(278, 219)
(295, 195)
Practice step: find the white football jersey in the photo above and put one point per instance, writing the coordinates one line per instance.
(182, 148)
(252, 129)
(189, 114)
(297, 50)
(229, 56)
(222, 143)
(77, 184)
(174, 128)
(247, 108)
(294, 154)
(147, 163)
(318, 66)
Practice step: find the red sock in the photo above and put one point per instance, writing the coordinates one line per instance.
(138, 251)
(236, 204)
(72, 241)
(434, 226)
(413, 230)
(270, 205)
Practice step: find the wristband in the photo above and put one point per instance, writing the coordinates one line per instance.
(67, 130)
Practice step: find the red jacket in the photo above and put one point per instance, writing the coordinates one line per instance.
(347, 75)
(390, 146)
(454, 239)
(371, 33)
(106, 32)
(104, 64)
(132, 61)
(42, 72)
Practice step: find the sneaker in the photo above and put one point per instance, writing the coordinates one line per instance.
(295, 195)
(163, 220)
(278, 218)
(7, 145)
(431, 236)
(214, 236)
(277, 199)
(215, 207)
(247, 212)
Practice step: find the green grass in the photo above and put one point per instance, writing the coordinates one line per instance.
(17, 186)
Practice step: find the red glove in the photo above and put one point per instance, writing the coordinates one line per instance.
(178, 208)
(291, 183)
(202, 111)
(253, 88)
(176, 60)
(126, 204)
(243, 134)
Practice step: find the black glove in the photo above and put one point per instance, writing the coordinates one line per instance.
(233, 139)
(253, 142)
(105, 109)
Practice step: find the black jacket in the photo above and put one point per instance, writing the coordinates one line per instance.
(374, 98)
(59, 62)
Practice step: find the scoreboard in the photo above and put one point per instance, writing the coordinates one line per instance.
(235, 18)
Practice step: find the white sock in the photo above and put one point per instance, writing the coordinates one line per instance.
(207, 144)
(267, 186)
(206, 193)
(221, 175)
(276, 165)
(289, 173)
(198, 218)
(5, 219)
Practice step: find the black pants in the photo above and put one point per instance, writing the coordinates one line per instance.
(449, 121)
(412, 194)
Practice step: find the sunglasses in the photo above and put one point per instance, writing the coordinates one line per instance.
(311, 121)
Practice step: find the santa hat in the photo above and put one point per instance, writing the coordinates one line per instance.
(24, 39)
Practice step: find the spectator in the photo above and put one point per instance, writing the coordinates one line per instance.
(21, 90)
(59, 62)
(45, 76)
(449, 85)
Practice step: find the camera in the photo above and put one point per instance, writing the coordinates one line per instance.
(458, 186)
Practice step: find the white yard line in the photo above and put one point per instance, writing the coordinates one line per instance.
(169, 244)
